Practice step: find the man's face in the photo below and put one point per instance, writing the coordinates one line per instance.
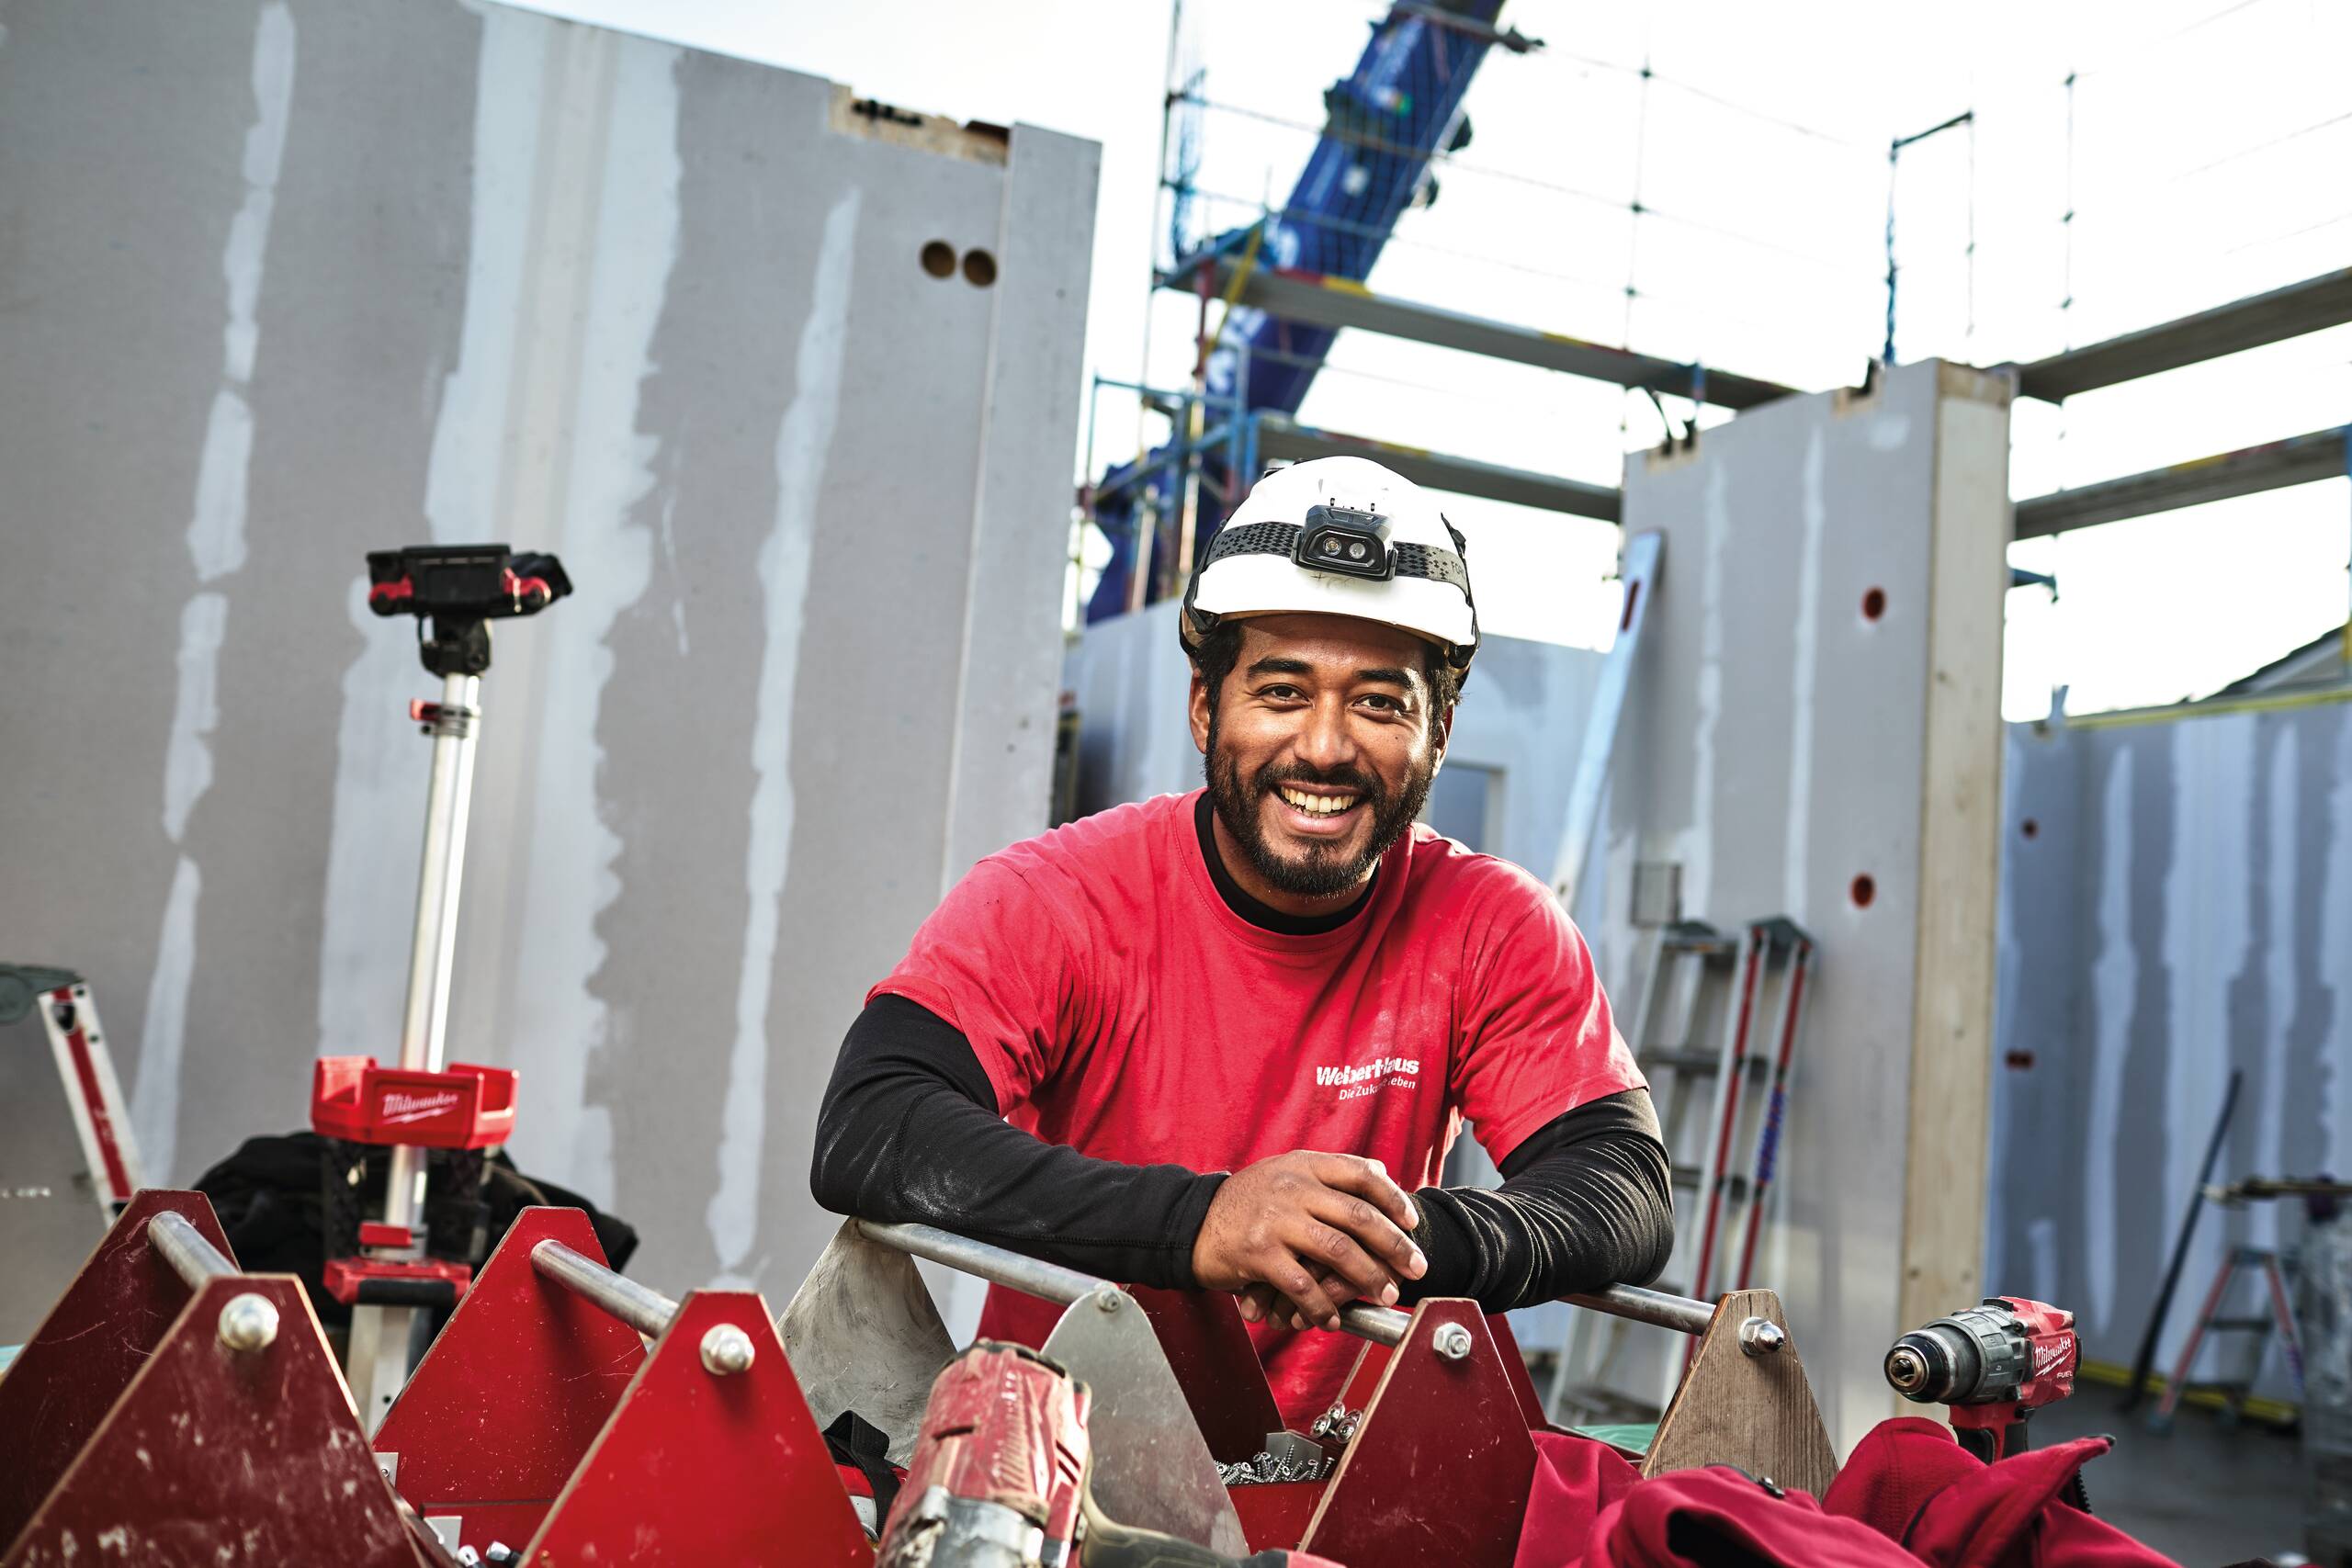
(1319, 750)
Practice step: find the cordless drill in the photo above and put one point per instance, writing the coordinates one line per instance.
(1994, 1365)
(998, 1480)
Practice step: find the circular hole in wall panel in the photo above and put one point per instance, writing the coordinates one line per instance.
(1863, 889)
(979, 268)
(939, 259)
(1874, 603)
(2029, 828)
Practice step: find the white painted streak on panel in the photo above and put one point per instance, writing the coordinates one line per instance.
(265, 154)
(155, 1096)
(2007, 973)
(802, 439)
(216, 530)
(1696, 848)
(629, 255)
(470, 439)
(196, 708)
(379, 811)
(1803, 667)
(2281, 868)
(216, 548)
(2042, 1244)
(2115, 975)
(2208, 937)
(2335, 953)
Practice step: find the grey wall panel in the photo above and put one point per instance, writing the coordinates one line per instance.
(1774, 749)
(467, 273)
(2183, 908)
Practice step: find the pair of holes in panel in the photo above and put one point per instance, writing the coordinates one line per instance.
(939, 260)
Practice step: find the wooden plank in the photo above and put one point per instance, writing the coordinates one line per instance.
(1753, 1411)
(1945, 1164)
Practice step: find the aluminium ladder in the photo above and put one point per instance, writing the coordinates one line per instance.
(1693, 1020)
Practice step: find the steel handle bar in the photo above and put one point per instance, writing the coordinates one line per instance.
(647, 1311)
(1384, 1325)
(195, 1259)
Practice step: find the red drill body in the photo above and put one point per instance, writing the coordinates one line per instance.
(1994, 1365)
(998, 1478)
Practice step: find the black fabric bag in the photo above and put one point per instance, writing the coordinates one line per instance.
(287, 1203)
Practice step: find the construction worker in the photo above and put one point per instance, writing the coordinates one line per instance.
(1223, 1040)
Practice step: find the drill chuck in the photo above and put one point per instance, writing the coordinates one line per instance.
(1939, 1364)
(1976, 1357)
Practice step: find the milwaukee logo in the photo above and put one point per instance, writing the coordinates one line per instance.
(2049, 1356)
(400, 1107)
(1379, 1068)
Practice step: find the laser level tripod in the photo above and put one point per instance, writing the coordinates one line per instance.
(455, 591)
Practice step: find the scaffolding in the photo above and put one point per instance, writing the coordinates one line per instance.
(1273, 294)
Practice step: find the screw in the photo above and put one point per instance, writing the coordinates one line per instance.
(1450, 1341)
(1109, 1298)
(248, 1322)
(726, 1350)
(1761, 1337)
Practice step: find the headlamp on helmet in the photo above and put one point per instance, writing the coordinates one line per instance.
(1343, 540)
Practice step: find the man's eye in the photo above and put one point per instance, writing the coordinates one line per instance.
(1280, 692)
(1386, 704)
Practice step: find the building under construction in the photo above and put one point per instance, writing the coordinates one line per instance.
(1995, 1049)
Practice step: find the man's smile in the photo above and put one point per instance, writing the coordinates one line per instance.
(1317, 811)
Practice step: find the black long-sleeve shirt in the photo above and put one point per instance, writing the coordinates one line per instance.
(909, 1130)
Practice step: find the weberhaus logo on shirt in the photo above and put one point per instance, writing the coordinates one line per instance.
(1354, 1082)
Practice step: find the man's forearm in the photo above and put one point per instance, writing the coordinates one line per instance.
(909, 1132)
(1584, 1203)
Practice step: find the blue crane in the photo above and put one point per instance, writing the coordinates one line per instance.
(1383, 122)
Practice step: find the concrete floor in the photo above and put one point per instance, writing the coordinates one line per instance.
(2206, 1495)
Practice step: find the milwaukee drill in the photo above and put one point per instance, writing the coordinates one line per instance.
(999, 1474)
(1994, 1365)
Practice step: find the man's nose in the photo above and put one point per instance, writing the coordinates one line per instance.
(1327, 742)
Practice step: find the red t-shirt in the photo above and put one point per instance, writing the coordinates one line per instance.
(1121, 1007)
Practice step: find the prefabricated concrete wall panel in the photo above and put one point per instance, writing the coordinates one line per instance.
(1777, 749)
(306, 279)
(2176, 903)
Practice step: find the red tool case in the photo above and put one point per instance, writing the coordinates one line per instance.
(467, 1107)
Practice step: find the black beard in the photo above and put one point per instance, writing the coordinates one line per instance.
(1327, 869)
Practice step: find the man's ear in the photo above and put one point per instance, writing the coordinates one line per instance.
(1199, 703)
(1444, 731)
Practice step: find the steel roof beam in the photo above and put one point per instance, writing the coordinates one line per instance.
(2275, 464)
(1313, 299)
(1281, 438)
(2306, 307)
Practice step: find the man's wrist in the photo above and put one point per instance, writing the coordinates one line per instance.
(1185, 1229)
(1445, 1240)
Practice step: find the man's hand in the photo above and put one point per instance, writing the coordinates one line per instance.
(1318, 1230)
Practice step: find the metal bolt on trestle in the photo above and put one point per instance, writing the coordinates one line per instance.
(248, 1322)
(1761, 1337)
(1109, 1298)
(727, 1350)
(1450, 1341)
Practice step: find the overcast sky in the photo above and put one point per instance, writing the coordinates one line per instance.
(2206, 161)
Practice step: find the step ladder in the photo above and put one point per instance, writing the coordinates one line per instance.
(68, 1162)
(1693, 1024)
(2274, 1267)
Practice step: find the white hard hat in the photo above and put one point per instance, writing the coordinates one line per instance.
(1338, 536)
